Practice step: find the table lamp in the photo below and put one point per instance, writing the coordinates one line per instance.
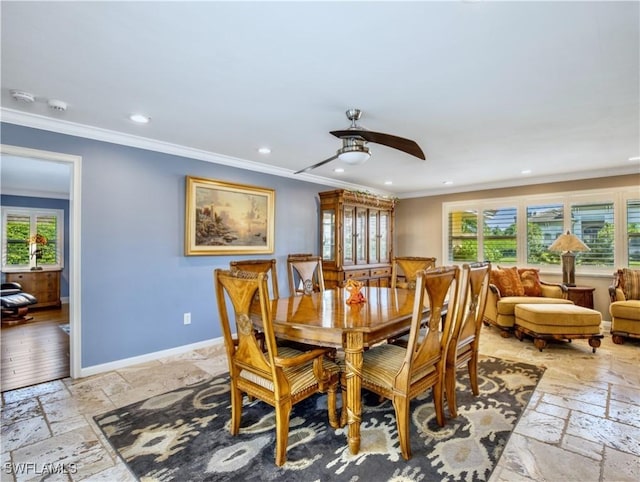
(569, 244)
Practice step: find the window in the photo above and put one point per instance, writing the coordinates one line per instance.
(463, 235)
(498, 241)
(499, 235)
(593, 224)
(520, 230)
(32, 237)
(544, 224)
(633, 232)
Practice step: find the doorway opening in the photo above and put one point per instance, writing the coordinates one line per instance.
(46, 334)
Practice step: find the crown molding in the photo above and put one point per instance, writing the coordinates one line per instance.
(60, 126)
(35, 193)
(529, 181)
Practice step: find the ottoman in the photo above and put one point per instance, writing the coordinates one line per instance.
(557, 322)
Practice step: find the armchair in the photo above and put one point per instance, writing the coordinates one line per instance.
(509, 287)
(625, 305)
(465, 338)
(278, 376)
(404, 373)
(15, 303)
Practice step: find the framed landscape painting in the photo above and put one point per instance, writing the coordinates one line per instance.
(223, 218)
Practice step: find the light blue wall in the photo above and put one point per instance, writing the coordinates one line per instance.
(38, 202)
(136, 281)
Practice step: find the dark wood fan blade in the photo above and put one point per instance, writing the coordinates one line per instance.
(321, 163)
(400, 143)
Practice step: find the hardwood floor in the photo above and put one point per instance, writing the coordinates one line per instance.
(36, 351)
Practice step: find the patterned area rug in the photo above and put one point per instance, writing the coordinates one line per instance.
(184, 434)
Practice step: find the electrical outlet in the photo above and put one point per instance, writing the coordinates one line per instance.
(187, 318)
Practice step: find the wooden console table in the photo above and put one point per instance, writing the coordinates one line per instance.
(581, 295)
(43, 284)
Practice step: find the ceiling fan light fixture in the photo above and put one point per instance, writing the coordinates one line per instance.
(354, 152)
(354, 157)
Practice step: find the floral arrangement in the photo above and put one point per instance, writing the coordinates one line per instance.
(35, 240)
(355, 295)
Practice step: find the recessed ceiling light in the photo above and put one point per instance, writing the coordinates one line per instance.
(338, 169)
(525, 171)
(631, 159)
(447, 183)
(388, 183)
(140, 118)
(264, 150)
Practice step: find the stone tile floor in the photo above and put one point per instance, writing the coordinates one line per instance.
(582, 423)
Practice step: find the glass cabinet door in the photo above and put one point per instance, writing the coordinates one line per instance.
(348, 235)
(329, 235)
(361, 236)
(384, 235)
(374, 253)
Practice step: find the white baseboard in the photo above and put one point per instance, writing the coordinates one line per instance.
(127, 362)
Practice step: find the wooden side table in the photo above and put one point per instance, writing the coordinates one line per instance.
(581, 295)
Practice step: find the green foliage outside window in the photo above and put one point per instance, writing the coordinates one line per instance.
(537, 252)
(467, 250)
(17, 247)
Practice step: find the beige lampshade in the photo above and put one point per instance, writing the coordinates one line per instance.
(568, 242)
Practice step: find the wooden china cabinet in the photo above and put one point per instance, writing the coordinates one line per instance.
(356, 236)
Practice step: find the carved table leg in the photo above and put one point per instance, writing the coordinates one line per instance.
(353, 349)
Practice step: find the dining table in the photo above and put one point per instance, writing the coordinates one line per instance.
(326, 319)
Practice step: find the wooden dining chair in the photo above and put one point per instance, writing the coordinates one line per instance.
(465, 336)
(305, 273)
(267, 266)
(402, 373)
(279, 376)
(408, 267)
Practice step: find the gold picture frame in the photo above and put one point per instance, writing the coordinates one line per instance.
(224, 218)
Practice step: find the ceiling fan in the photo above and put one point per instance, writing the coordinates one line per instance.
(354, 148)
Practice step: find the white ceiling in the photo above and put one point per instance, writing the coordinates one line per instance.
(487, 89)
(34, 177)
